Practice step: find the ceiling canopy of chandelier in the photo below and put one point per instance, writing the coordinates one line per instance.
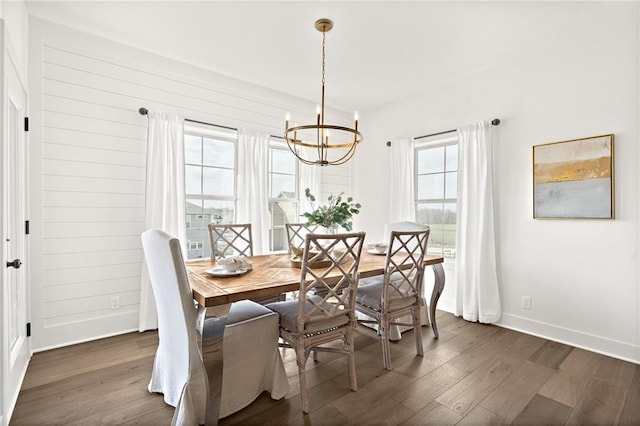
(311, 143)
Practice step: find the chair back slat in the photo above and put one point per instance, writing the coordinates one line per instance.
(296, 233)
(329, 291)
(230, 239)
(404, 266)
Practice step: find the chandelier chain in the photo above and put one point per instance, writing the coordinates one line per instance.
(324, 35)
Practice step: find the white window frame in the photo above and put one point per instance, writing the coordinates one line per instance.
(279, 144)
(431, 143)
(219, 133)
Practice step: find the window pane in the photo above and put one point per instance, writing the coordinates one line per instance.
(452, 157)
(449, 230)
(282, 212)
(218, 182)
(193, 179)
(431, 187)
(430, 160)
(451, 185)
(283, 186)
(196, 225)
(218, 153)
(219, 211)
(283, 162)
(192, 149)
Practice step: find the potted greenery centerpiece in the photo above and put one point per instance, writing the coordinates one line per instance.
(337, 212)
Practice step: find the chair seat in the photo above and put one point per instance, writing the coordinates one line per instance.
(369, 294)
(245, 310)
(288, 312)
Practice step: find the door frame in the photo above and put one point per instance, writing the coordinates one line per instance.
(8, 64)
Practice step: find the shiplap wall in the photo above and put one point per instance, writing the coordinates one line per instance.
(88, 169)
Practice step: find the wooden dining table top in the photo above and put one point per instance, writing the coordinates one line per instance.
(272, 274)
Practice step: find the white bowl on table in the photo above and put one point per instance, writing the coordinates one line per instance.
(380, 247)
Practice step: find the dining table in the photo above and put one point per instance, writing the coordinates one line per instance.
(270, 275)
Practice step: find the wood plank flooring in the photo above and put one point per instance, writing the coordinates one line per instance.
(474, 374)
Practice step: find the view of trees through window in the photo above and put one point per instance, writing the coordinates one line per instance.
(210, 183)
(436, 193)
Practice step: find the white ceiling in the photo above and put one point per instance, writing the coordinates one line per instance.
(377, 53)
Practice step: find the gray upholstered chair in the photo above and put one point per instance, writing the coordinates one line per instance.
(329, 262)
(397, 294)
(178, 369)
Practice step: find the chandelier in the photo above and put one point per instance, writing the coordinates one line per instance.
(314, 146)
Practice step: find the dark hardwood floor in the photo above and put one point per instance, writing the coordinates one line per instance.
(473, 375)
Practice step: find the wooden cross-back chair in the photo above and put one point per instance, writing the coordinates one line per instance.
(296, 233)
(235, 239)
(230, 239)
(398, 292)
(312, 321)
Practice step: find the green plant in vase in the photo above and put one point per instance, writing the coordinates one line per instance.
(338, 212)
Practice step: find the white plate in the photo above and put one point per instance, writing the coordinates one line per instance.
(376, 252)
(221, 272)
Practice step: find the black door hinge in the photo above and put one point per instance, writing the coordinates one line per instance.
(26, 227)
(26, 124)
(28, 329)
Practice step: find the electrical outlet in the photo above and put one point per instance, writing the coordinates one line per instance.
(526, 302)
(115, 302)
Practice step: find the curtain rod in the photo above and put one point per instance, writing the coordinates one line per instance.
(144, 111)
(494, 122)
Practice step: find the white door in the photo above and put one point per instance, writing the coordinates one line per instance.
(15, 344)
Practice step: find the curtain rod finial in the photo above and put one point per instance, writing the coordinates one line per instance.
(495, 122)
(143, 111)
(388, 143)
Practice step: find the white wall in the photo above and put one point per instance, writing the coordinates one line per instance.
(88, 168)
(14, 13)
(582, 275)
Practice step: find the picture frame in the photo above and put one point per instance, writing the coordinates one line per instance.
(574, 179)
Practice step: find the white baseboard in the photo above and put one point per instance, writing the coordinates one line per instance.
(602, 345)
(83, 340)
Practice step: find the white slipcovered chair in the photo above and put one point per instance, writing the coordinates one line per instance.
(252, 361)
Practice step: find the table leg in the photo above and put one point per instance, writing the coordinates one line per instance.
(212, 357)
(438, 286)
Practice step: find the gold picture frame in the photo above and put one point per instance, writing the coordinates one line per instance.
(573, 179)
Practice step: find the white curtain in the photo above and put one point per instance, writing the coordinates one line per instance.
(253, 201)
(402, 198)
(164, 196)
(310, 176)
(477, 294)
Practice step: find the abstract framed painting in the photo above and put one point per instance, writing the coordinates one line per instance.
(574, 179)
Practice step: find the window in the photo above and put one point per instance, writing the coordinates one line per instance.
(283, 193)
(194, 245)
(210, 182)
(436, 165)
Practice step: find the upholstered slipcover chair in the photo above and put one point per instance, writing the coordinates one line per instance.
(252, 361)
